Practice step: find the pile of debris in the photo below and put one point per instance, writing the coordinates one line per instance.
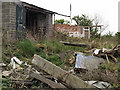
(108, 54)
(41, 70)
(46, 72)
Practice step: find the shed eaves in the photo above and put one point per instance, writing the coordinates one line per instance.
(39, 9)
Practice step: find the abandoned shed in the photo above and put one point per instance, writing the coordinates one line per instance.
(21, 20)
(34, 20)
(76, 30)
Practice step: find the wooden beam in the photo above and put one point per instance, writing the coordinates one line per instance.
(21, 82)
(47, 81)
(70, 79)
(107, 58)
(75, 44)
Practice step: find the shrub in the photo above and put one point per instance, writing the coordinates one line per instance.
(109, 35)
(109, 66)
(18, 54)
(118, 37)
(39, 47)
(42, 54)
(54, 46)
(110, 47)
(5, 83)
(26, 48)
(55, 59)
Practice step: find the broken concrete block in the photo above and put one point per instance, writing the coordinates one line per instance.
(2, 65)
(6, 73)
(70, 79)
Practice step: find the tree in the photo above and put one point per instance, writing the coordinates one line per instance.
(97, 21)
(62, 21)
(83, 20)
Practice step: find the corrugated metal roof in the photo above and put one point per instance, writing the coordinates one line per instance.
(31, 6)
(39, 9)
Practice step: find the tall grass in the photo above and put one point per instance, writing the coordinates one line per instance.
(118, 37)
(26, 48)
(53, 49)
(54, 46)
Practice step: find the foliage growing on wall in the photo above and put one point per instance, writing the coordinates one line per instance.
(62, 21)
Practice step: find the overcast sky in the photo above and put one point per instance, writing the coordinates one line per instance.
(107, 10)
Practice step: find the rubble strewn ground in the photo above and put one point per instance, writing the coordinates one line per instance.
(58, 54)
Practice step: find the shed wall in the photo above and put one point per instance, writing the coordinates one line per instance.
(9, 20)
(73, 31)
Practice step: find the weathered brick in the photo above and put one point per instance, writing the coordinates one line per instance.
(9, 18)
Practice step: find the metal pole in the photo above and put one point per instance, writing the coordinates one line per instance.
(70, 14)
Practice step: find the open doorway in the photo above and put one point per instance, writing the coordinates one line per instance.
(35, 24)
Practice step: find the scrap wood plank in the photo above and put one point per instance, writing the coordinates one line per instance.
(75, 44)
(70, 79)
(21, 81)
(47, 81)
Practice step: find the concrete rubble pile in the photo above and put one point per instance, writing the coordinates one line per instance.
(23, 74)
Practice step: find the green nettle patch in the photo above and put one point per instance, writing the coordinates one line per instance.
(54, 46)
(27, 48)
(5, 83)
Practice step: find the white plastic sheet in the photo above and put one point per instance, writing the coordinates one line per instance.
(79, 61)
(104, 49)
(96, 52)
(15, 62)
(99, 84)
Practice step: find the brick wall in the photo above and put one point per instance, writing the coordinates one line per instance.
(5, 15)
(65, 28)
(9, 20)
(71, 30)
